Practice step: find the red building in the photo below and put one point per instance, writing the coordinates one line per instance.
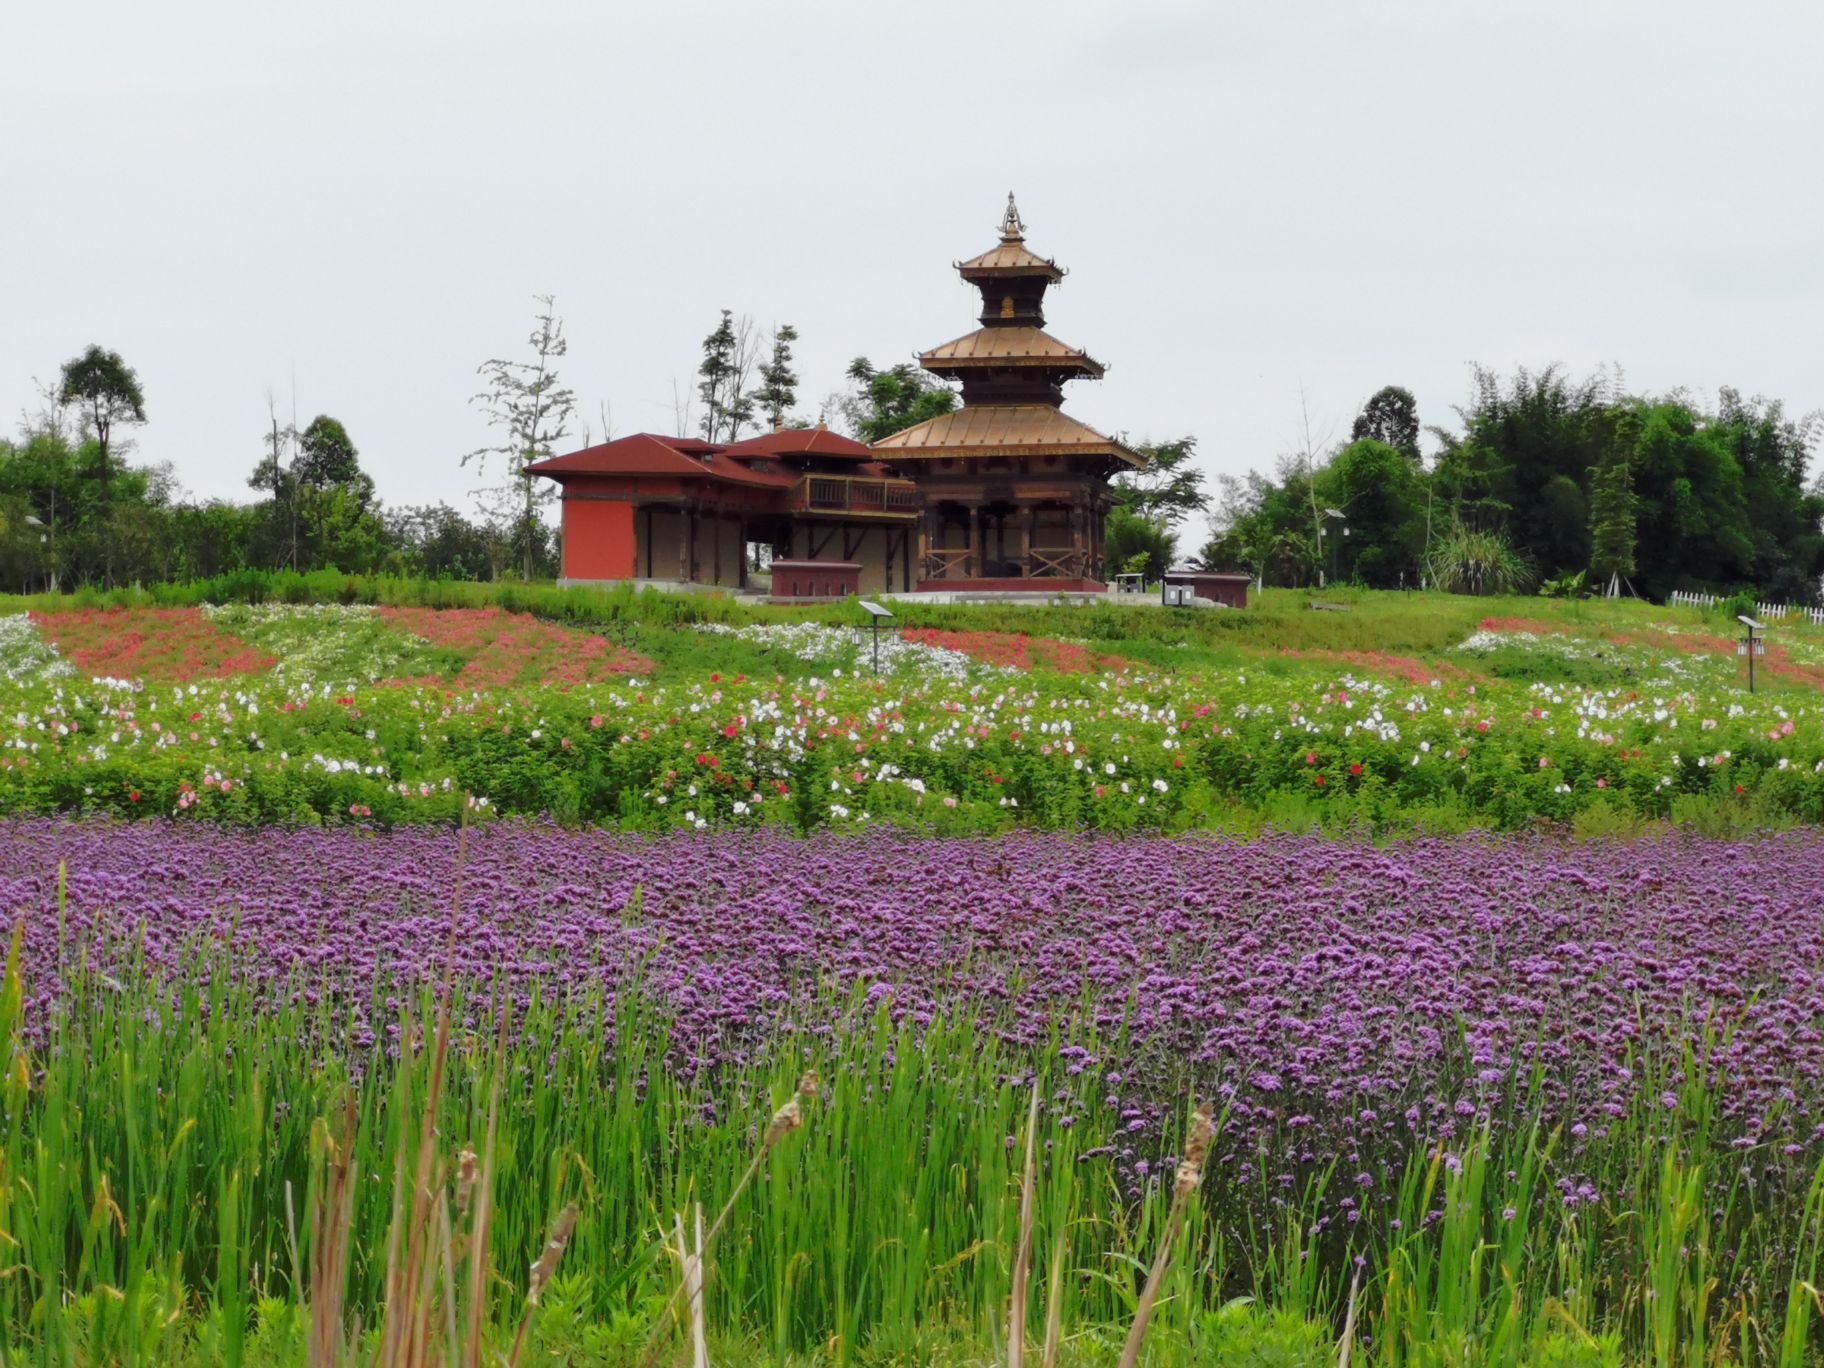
(1004, 493)
(677, 510)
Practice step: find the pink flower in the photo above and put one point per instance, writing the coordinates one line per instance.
(1543, 762)
(1602, 783)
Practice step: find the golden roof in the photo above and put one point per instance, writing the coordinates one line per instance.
(1009, 258)
(1003, 429)
(1022, 345)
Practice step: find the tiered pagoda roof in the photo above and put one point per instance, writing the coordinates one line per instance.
(1012, 370)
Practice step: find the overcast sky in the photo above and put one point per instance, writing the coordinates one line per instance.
(1251, 199)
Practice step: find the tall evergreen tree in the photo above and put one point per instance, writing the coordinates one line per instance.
(1612, 526)
(727, 358)
(778, 389)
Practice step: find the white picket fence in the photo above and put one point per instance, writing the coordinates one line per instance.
(1767, 612)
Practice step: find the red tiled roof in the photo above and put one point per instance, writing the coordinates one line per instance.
(648, 453)
(815, 441)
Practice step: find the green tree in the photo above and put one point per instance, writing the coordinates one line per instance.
(1612, 533)
(1522, 460)
(108, 395)
(882, 403)
(1168, 488)
(727, 358)
(1381, 493)
(438, 542)
(778, 389)
(531, 407)
(1138, 545)
(327, 457)
(1391, 416)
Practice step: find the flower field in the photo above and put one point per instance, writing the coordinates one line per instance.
(1501, 1039)
(1496, 956)
(390, 716)
(1377, 994)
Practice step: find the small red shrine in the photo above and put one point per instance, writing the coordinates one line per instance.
(1005, 493)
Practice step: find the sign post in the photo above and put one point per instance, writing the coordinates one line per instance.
(876, 614)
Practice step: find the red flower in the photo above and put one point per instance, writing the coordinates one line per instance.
(1310, 757)
(133, 795)
(730, 730)
(1320, 781)
(1355, 769)
(715, 679)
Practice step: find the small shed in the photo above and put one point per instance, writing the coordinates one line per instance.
(815, 579)
(1227, 587)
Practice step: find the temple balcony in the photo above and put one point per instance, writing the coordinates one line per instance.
(854, 495)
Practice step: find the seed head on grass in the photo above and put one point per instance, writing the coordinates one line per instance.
(546, 1263)
(790, 1114)
(1196, 1151)
(465, 1180)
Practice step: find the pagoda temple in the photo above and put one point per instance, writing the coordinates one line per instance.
(1004, 493)
(1013, 492)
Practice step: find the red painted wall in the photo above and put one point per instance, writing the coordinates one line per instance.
(598, 539)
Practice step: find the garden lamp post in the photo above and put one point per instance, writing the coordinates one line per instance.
(1752, 645)
(1323, 531)
(876, 614)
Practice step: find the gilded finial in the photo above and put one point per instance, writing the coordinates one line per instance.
(1012, 230)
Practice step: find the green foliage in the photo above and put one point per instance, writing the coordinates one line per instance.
(727, 406)
(778, 389)
(107, 392)
(1241, 1335)
(327, 457)
(884, 402)
(1168, 488)
(1381, 493)
(1573, 476)
(1612, 522)
(1390, 417)
(1139, 545)
(1464, 561)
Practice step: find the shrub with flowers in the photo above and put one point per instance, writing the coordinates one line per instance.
(983, 750)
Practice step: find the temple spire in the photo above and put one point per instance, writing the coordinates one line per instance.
(1012, 230)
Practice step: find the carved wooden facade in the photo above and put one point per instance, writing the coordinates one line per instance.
(1013, 492)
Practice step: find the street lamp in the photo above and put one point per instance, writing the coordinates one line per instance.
(1322, 531)
(1752, 645)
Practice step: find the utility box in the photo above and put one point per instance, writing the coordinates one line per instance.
(803, 580)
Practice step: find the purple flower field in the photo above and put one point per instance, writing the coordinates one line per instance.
(1325, 989)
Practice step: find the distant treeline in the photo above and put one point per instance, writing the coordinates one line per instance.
(1551, 483)
(74, 514)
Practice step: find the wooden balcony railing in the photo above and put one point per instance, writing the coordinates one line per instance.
(873, 498)
(1042, 562)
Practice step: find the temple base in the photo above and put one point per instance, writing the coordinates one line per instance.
(1032, 586)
